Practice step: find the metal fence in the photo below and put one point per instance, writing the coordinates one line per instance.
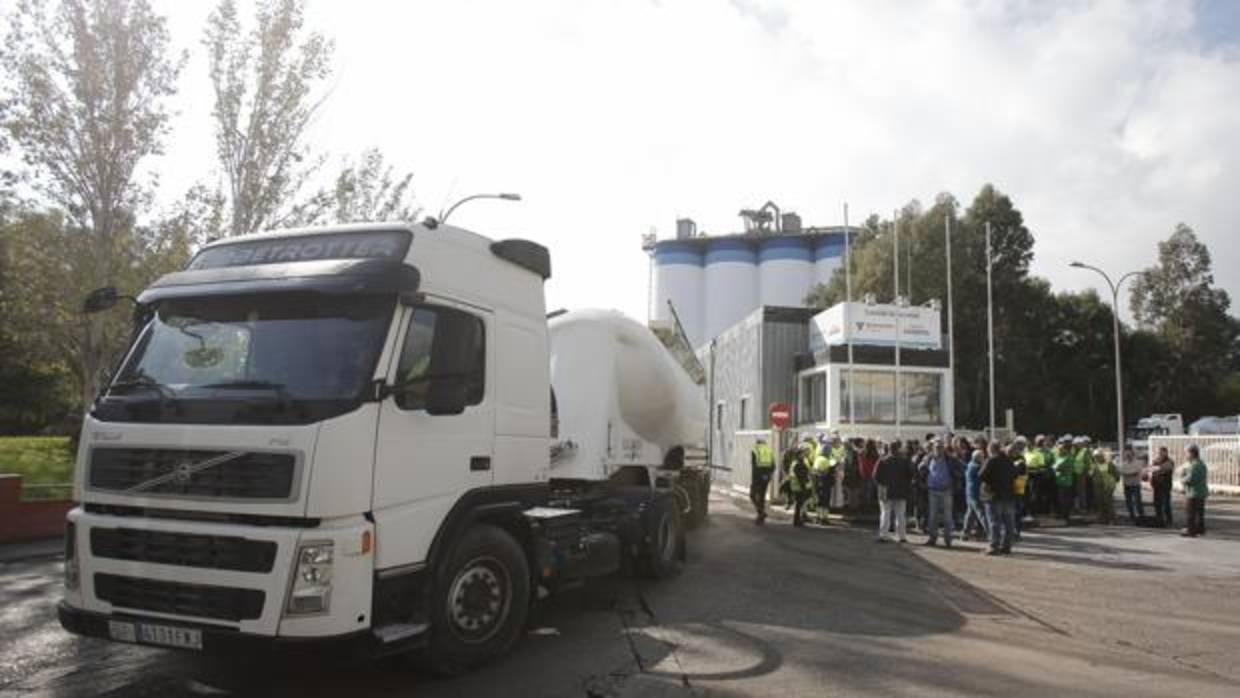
(1221, 455)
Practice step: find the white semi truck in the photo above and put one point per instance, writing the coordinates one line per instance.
(1166, 424)
(371, 436)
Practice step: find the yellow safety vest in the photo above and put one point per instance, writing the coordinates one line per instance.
(763, 456)
(821, 464)
(1035, 460)
(813, 449)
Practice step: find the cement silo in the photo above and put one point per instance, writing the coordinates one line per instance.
(731, 284)
(785, 271)
(828, 256)
(678, 276)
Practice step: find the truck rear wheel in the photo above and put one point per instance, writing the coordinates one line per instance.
(664, 539)
(480, 602)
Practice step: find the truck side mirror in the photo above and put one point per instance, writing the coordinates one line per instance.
(100, 299)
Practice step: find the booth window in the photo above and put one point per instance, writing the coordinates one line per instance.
(875, 397)
(814, 398)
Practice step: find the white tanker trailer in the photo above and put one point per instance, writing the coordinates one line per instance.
(369, 436)
(623, 401)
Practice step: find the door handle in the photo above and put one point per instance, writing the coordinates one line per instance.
(480, 463)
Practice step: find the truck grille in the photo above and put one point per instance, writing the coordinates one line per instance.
(208, 474)
(179, 598)
(183, 549)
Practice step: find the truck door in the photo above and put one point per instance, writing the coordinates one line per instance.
(436, 430)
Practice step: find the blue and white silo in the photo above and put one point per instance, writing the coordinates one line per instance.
(678, 276)
(785, 271)
(731, 284)
(828, 256)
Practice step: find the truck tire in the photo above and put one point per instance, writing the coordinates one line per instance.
(703, 508)
(480, 601)
(685, 494)
(663, 544)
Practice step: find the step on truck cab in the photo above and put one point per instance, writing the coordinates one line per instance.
(344, 436)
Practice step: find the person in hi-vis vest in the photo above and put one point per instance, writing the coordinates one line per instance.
(762, 466)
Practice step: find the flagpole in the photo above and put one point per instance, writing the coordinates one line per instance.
(990, 327)
(895, 229)
(852, 389)
(951, 337)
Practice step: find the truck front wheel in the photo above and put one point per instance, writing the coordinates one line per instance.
(481, 600)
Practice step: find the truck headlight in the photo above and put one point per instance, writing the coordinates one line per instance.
(72, 575)
(312, 580)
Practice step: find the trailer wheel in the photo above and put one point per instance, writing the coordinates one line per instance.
(480, 602)
(664, 539)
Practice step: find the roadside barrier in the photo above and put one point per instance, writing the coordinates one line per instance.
(1221, 455)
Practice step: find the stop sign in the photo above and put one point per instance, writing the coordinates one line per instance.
(781, 414)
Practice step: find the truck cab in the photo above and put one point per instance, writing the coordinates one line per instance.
(343, 436)
(300, 419)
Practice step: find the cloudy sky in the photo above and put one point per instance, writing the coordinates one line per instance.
(1107, 122)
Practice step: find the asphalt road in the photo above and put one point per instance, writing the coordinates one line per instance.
(769, 611)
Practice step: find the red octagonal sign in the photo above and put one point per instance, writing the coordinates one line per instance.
(781, 414)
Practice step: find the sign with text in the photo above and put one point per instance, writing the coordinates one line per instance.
(368, 244)
(916, 327)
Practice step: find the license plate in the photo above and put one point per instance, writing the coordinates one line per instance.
(152, 634)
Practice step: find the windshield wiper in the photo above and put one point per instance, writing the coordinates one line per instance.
(282, 394)
(246, 385)
(143, 380)
(280, 391)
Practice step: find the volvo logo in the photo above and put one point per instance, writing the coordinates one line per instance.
(183, 472)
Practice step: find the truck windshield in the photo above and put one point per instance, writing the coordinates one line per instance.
(1144, 433)
(261, 358)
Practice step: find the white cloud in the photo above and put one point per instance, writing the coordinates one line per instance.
(1107, 122)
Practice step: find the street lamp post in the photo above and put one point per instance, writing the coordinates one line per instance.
(443, 217)
(1119, 382)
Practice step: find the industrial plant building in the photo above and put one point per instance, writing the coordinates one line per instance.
(862, 368)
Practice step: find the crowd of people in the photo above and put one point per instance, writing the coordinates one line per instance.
(981, 488)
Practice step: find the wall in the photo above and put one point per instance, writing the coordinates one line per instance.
(20, 521)
(737, 374)
(784, 336)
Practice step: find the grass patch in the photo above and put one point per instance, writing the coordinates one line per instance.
(42, 460)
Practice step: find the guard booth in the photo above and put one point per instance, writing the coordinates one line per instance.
(863, 369)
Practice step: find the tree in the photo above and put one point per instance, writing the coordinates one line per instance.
(44, 287)
(265, 82)
(369, 190)
(1176, 302)
(86, 103)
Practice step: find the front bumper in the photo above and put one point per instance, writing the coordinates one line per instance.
(174, 578)
(222, 641)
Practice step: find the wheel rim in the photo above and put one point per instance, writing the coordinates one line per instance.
(685, 501)
(479, 600)
(665, 539)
